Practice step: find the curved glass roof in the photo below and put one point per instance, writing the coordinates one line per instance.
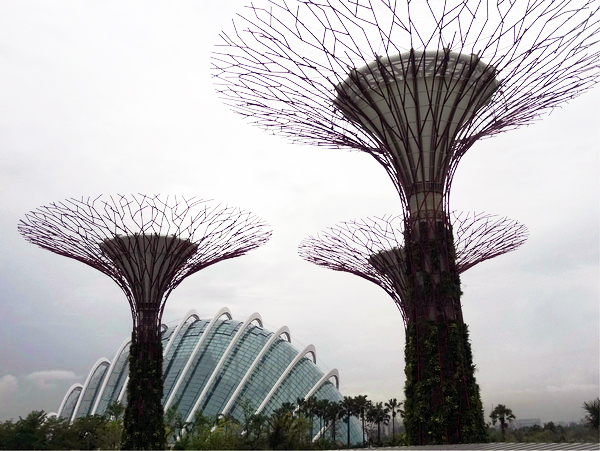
(215, 366)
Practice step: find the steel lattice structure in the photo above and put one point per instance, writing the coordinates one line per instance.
(308, 70)
(414, 85)
(372, 248)
(106, 231)
(148, 245)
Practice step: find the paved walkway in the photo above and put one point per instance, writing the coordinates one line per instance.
(503, 446)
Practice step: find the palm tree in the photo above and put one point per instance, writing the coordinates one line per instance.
(321, 407)
(378, 414)
(308, 407)
(174, 424)
(332, 414)
(592, 418)
(362, 405)
(114, 411)
(348, 410)
(393, 405)
(287, 431)
(227, 422)
(504, 415)
(257, 431)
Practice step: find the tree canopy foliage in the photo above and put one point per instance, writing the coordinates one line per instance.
(592, 418)
(307, 424)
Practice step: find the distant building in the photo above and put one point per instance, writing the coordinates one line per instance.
(216, 366)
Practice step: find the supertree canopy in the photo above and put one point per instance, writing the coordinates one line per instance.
(148, 245)
(373, 248)
(414, 84)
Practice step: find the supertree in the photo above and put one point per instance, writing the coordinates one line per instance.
(148, 245)
(415, 85)
(373, 248)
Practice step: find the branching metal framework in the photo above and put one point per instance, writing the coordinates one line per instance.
(340, 73)
(147, 244)
(373, 248)
(414, 84)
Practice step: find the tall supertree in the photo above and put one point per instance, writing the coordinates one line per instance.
(148, 245)
(415, 85)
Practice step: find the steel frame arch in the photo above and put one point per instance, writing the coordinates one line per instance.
(334, 373)
(101, 361)
(185, 319)
(320, 433)
(71, 389)
(253, 317)
(123, 389)
(205, 333)
(310, 349)
(178, 332)
(285, 332)
(281, 331)
(188, 315)
(109, 373)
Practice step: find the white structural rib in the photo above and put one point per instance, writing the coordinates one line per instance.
(187, 316)
(282, 331)
(254, 317)
(332, 374)
(310, 349)
(123, 390)
(71, 389)
(205, 334)
(101, 361)
(109, 373)
(176, 332)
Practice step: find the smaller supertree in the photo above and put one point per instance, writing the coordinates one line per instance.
(373, 248)
(148, 245)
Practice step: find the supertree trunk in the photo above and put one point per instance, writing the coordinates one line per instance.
(442, 404)
(143, 423)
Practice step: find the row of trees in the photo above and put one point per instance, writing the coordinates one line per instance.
(38, 431)
(307, 424)
(372, 415)
(549, 433)
(316, 423)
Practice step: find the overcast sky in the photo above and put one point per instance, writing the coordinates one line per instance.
(116, 97)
